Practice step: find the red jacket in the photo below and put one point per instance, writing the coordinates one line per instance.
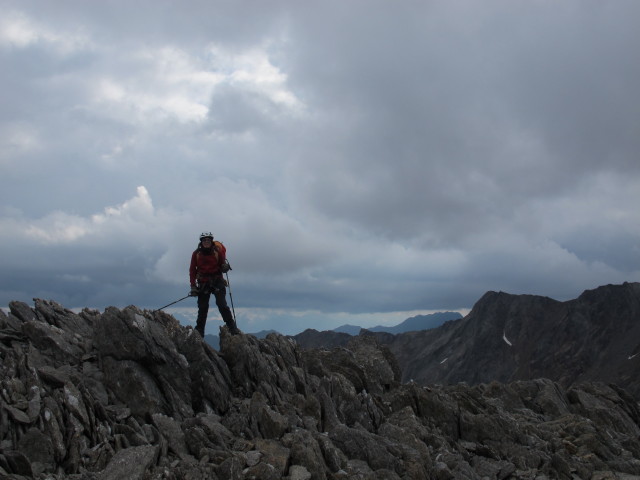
(205, 265)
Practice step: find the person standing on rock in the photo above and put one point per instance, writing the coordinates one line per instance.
(208, 264)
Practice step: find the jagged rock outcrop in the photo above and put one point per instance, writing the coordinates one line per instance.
(132, 394)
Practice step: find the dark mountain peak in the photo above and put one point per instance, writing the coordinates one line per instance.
(350, 329)
(611, 293)
(605, 293)
(510, 337)
(495, 300)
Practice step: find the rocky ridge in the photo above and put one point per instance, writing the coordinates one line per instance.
(132, 394)
(506, 337)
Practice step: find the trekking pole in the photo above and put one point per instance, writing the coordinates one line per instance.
(231, 297)
(161, 308)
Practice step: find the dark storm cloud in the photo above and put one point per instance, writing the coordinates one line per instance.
(474, 118)
(355, 157)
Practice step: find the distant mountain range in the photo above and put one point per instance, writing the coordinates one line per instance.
(520, 337)
(214, 340)
(419, 322)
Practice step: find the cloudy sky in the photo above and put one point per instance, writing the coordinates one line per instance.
(363, 161)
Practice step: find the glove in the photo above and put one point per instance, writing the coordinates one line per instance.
(194, 291)
(225, 267)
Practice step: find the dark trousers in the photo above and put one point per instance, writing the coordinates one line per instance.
(217, 287)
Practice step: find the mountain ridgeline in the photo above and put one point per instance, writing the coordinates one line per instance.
(419, 322)
(133, 394)
(344, 332)
(521, 337)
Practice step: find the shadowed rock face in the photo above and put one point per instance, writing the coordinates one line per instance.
(595, 337)
(131, 394)
(519, 337)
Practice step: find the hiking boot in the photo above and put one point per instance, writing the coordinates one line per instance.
(232, 327)
(231, 323)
